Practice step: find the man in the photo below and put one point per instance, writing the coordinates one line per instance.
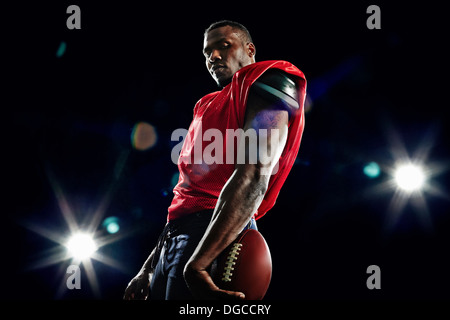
(214, 201)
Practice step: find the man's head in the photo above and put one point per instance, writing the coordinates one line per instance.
(227, 47)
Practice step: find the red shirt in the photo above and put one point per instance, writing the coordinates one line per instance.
(200, 181)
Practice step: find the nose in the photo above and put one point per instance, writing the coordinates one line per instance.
(214, 56)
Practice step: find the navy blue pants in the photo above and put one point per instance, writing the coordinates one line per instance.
(177, 244)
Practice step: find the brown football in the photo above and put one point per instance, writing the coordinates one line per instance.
(244, 266)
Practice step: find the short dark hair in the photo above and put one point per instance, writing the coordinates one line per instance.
(235, 25)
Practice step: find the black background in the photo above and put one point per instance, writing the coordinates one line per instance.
(68, 120)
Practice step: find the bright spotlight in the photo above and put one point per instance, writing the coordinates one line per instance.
(409, 177)
(81, 246)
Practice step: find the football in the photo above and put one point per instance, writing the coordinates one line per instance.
(244, 266)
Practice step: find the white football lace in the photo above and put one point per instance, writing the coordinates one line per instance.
(232, 256)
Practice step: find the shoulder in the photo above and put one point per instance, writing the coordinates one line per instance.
(277, 82)
(276, 85)
(205, 100)
(255, 70)
(208, 97)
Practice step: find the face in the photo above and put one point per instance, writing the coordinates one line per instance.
(225, 53)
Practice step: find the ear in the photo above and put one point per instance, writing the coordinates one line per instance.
(251, 50)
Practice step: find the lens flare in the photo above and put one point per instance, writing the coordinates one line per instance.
(143, 136)
(372, 170)
(111, 224)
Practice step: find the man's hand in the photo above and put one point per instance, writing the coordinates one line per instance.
(203, 287)
(138, 288)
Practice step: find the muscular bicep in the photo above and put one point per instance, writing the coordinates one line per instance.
(267, 124)
(263, 114)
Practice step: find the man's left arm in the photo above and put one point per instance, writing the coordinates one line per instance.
(242, 194)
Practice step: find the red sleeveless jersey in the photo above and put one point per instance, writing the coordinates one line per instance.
(200, 181)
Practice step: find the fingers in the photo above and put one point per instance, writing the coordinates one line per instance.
(139, 295)
(136, 292)
(129, 295)
(202, 286)
(230, 295)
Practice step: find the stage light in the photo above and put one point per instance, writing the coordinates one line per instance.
(372, 170)
(111, 224)
(409, 177)
(78, 244)
(81, 246)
